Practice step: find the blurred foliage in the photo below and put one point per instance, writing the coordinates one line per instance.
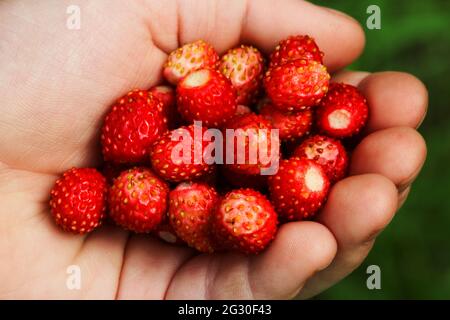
(414, 251)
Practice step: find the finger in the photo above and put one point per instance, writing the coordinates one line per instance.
(351, 77)
(299, 250)
(149, 265)
(339, 36)
(217, 22)
(358, 208)
(395, 98)
(100, 259)
(265, 22)
(396, 153)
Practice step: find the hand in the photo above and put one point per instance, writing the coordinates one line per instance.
(56, 85)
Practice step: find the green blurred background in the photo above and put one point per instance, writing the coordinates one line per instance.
(414, 251)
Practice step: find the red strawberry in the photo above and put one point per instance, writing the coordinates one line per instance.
(245, 221)
(78, 200)
(206, 95)
(241, 180)
(133, 123)
(253, 137)
(190, 57)
(327, 152)
(176, 165)
(166, 233)
(296, 85)
(244, 66)
(138, 200)
(241, 110)
(343, 112)
(190, 210)
(292, 125)
(299, 188)
(296, 47)
(166, 95)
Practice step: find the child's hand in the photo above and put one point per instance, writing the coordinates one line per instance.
(55, 86)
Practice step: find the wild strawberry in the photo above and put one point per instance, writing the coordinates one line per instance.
(78, 200)
(343, 112)
(252, 145)
(299, 188)
(190, 209)
(166, 233)
(241, 110)
(327, 152)
(242, 180)
(138, 200)
(244, 221)
(244, 66)
(190, 57)
(206, 95)
(166, 95)
(133, 123)
(296, 47)
(189, 159)
(292, 125)
(296, 85)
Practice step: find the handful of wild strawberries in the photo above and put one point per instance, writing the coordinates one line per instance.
(208, 181)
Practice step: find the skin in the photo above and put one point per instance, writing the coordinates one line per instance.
(57, 84)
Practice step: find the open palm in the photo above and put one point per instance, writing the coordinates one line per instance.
(56, 85)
